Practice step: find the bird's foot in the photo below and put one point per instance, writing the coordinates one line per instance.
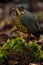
(27, 39)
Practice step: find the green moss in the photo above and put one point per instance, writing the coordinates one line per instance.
(37, 16)
(19, 45)
(2, 53)
(35, 51)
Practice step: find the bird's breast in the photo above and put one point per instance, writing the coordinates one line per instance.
(19, 25)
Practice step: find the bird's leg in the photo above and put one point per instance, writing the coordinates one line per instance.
(28, 38)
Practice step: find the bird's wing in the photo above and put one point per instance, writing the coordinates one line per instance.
(29, 21)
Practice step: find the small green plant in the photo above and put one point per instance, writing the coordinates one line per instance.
(35, 51)
(37, 16)
(41, 55)
(17, 44)
(2, 53)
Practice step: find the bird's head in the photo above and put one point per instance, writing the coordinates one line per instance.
(19, 10)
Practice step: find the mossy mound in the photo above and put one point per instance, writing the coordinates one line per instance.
(20, 52)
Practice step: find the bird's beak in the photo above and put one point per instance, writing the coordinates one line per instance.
(22, 12)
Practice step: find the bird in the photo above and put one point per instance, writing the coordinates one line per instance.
(26, 22)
